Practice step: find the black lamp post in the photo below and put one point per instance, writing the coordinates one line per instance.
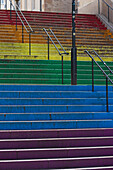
(40, 5)
(74, 49)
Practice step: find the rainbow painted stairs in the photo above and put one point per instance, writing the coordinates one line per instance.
(18, 67)
(54, 126)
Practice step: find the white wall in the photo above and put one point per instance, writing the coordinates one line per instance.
(88, 6)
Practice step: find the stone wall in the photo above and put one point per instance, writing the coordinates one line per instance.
(64, 6)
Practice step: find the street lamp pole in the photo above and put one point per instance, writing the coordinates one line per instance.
(74, 49)
(40, 5)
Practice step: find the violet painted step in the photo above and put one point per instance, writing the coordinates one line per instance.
(56, 142)
(71, 152)
(70, 149)
(55, 163)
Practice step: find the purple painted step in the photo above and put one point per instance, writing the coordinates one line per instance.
(56, 153)
(56, 142)
(56, 163)
(29, 134)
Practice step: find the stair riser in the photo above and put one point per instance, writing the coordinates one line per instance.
(51, 88)
(42, 109)
(55, 125)
(59, 116)
(64, 153)
(55, 134)
(55, 101)
(56, 164)
(58, 143)
(50, 95)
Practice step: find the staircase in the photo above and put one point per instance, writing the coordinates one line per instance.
(17, 67)
(55, 127)
(90, 33)
(49, 72)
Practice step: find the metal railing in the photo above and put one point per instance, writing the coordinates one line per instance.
(107, 77)
(107, 14)
(61, 54)
(17, 9)
(23, 20)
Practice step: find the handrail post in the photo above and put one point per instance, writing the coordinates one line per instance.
(62, 71)
(22, 33)
(92, 76)
(16, 22)
(29, 43)
(48, 47)
(0, 4)
(108, 14)
(107, 94)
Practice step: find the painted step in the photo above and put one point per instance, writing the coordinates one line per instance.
(51, 108)
(59, 124)
(56, 163)
(56, 116)
(53, 94)
(56, 142)
(53, 101)
(58, 133)
(17, 154)
(48, 88)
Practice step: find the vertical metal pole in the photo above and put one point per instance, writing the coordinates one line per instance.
(73, 50)
(40, 5)
(22, 33)
(6, 4)
(48, 48)
(108, 14)
(62, 71)
(16, 22)
(29, 43)
(107, 94)
(98, 6)
(92, 76)
(0, 4)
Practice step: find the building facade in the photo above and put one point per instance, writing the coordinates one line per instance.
(65, 6)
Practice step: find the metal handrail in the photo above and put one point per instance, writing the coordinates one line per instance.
(102, 61)
(58, 42)
(51, 40)
(109, 7)
(54, 43)
(31, 30)
(107, 77)
(99, 66)
(61, 54)
(107, 4)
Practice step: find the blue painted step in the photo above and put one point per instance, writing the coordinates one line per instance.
(56, 116)
(54, 94)
(52, 88)
(55, 101)
(32, 125)
(54, 107)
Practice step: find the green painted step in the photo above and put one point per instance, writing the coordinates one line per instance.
(49, 72)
